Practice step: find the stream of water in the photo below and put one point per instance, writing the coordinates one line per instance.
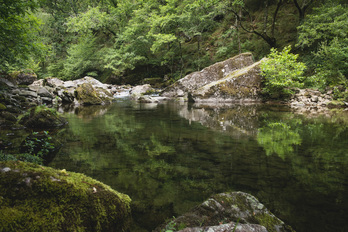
(169, 157)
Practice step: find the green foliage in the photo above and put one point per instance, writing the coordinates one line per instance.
(82, 58)
(25, 157)
(37, 146)
(325, 34)
(281, 72)
(19, 42)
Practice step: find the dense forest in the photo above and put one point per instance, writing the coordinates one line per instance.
(131, 41)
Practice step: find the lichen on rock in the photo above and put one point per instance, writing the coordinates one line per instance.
(37, 198)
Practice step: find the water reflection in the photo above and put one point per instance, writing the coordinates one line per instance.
(171, 156)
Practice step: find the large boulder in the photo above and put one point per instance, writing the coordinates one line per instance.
(37, 198)
(242, 85)
(221, 212)
(87, 95)
(215, 72)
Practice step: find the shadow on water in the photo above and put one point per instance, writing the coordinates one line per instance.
(170, 157)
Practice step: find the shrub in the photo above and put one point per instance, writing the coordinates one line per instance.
(281, 72)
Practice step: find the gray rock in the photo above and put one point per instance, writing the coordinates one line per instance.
(25, 78)
(54, 82)
(46, 99)
(27, 93)
(5, 169)
(212, 73)
(69, 84)
(315, 99)
(228, 227)
(230, 207)
(140, 90)
(147, 99)
(67, 95)
(43, 92)
(243, 85)
(7, 82)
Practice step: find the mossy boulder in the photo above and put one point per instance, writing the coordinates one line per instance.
(87, 95)
(222, 211)
(37, 198)
(42, 118)
(24, 78)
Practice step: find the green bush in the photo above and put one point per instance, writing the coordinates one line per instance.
(281, 73)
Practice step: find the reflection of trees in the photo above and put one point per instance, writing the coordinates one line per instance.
(167, 164)
(278, 138)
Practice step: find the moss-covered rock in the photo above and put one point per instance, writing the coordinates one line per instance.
(229, 208)
(24, 78)
(87, 95)
(37, 198)
(42, 118)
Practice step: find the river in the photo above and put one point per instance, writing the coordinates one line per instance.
(171, 156)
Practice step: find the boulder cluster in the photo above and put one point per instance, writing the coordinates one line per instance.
(84, 91)
(314, 101)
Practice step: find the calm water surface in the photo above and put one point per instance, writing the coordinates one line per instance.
(170, 157)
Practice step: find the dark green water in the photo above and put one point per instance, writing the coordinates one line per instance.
(170, 157)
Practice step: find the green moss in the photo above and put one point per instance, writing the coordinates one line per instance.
(37, 198)
(87, 95)
(336, 104)
(2, 106)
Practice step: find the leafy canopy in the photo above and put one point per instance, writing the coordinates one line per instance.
(325, 34)
(18, 34)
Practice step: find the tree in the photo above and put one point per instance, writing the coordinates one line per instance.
(18, 34)
(302, 6)
(247, 22)
(325, 33)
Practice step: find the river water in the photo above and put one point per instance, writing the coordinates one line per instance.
(169, 157)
